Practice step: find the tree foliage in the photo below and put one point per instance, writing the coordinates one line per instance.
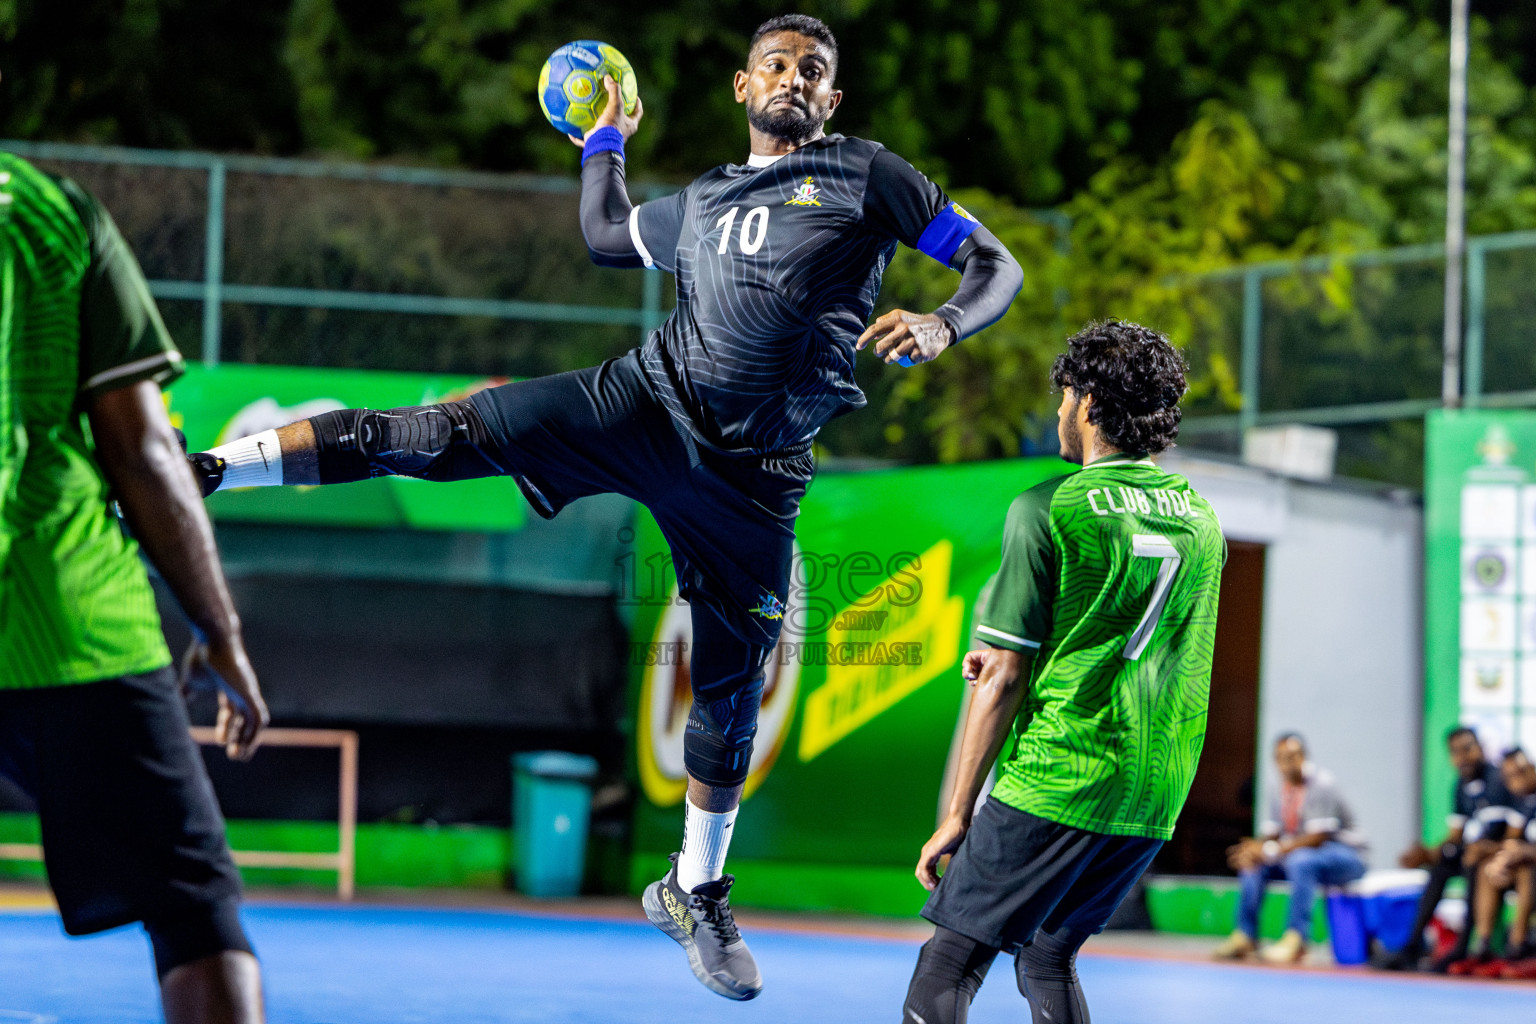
(1177, 139)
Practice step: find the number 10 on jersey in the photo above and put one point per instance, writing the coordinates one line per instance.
(754, 229)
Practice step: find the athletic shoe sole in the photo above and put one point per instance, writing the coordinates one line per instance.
(661, 919)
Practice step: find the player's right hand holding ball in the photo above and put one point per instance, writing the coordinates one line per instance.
(613, 115)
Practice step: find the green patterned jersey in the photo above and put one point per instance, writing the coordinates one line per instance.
(1110, 578)
(76, 319)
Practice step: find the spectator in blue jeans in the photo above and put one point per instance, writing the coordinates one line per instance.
(1308, 839)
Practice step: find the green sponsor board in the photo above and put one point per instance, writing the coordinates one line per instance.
(1480, 589)
(217, 405)
(863, 696)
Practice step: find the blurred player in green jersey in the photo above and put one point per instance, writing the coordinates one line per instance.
(1100, 628)
(92, 723)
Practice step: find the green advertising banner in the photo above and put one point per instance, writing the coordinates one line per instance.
(1480, 597)
(230, 401)
(863, 697)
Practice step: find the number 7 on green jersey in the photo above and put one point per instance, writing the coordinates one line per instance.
(1151, 545)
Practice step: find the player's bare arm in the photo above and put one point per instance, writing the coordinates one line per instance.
(139, 453)
(999, 691)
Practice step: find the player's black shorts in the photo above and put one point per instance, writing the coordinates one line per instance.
(131, 828)
(1016, 873)
(729, 518)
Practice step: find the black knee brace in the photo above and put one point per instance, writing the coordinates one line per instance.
(432, 442)
(717, 746)
(194, 932)
(1047, 973)
(950, 968)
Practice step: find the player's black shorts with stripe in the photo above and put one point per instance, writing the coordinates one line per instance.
(1016, 873)
(729, 518)
(130, 826)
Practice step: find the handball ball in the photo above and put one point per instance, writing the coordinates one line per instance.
(571, 84)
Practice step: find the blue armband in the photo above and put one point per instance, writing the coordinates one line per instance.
(606, 139)
(945, 234)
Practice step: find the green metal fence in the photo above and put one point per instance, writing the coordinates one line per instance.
(315, 263)
(177, 209)
(1514, 382)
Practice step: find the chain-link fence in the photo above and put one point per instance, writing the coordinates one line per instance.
(306, 263)
(312, 263)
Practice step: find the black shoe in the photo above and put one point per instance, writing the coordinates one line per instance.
(1442, 964)
(701, 922)
(207, 468)
(1405, 959)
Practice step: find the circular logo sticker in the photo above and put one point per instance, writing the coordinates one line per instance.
(1490, 569)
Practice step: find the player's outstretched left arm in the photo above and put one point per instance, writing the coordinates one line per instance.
(901, 202)
(990, 278)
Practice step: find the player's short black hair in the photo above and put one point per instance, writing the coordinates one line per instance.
(1514, 752)
(1136, 378)
(1462, 730)
(805, 25)
(1285, 736)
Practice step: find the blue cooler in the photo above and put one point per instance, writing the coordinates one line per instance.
(1380, 906)
(1391, 903)
(551, 805)
(1346, 926)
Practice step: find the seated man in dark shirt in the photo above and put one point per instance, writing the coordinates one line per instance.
(1478, 788)
(1507, 867)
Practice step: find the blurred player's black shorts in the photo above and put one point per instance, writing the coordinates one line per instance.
(131, 828)
(1016, 873)
(730, 519)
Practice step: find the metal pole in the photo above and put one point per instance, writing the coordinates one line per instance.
(1455, 207)
(213, 265)
(1477, 306)
(1253, 323)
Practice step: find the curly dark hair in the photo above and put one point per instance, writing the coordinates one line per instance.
(805, 25)
(1136, 378)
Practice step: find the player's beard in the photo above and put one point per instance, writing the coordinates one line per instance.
(793, 124)
(1069, 437)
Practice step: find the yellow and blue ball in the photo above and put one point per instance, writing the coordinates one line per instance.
(571, 89)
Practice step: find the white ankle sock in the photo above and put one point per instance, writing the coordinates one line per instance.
(255, 461)
(706, 838)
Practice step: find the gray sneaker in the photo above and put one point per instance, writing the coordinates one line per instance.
(701, 922)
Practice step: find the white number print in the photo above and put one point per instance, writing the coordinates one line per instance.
(725, 222)
(754, 229)
(752, 241)
(1151, 545)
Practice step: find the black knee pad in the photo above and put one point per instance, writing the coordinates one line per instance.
(432, 442)
(1049, 958)
(194, 932)
(717, 746)
(950, 970)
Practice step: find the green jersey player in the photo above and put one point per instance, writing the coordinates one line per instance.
(1099, 630)
(93, 727)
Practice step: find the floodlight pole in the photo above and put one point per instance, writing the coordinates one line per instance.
(1455, 207)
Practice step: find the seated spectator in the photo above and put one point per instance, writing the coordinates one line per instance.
(1478, 788)
(1308, 839)
(1506, 867)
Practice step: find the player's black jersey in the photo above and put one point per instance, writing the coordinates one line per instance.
(1485, 789)
(778, 268)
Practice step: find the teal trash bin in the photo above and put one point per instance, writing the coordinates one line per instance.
(551, 805)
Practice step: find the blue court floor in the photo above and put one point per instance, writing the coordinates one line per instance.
(370, 965)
